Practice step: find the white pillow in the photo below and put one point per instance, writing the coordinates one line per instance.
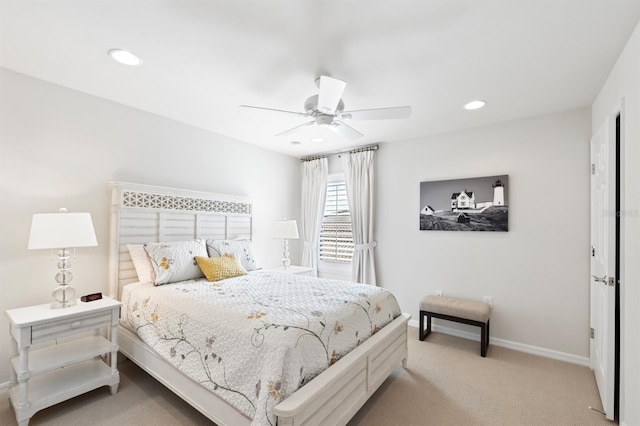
(241, 249)
(175, 261)
(142, 263)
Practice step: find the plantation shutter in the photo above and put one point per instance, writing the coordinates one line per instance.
(336, 240)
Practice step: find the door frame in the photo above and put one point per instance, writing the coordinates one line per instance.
(616, 119)
(619, 396)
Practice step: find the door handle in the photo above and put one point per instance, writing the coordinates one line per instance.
(610, 281)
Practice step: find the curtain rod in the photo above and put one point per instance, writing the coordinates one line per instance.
(329, 154)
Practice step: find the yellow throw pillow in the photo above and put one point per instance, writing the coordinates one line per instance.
(220, 268)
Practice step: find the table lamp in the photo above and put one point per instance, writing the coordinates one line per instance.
(285, 229)
(62, 231)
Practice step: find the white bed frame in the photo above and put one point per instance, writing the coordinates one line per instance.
(143, 213)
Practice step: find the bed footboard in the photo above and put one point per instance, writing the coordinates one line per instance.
(334, 396)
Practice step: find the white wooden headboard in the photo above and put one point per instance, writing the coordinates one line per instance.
(145, 213)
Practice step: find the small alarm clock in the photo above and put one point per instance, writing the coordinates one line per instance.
(91, 297)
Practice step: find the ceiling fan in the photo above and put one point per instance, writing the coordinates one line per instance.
(326, 109)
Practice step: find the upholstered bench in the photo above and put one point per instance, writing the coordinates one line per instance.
(458, 310)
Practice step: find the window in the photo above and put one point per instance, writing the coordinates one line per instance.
(336, 239)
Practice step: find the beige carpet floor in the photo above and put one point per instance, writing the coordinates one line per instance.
(446, 383)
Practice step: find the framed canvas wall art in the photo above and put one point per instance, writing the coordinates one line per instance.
(474, 204)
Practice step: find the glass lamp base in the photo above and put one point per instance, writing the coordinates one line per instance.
(64, 296)
(286, 262)
(285, 255)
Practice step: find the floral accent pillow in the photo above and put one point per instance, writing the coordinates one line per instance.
(241, 249)
(175, 261)
(220, 268)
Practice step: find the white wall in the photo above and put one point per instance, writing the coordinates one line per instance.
(624, 82)
(59, 147)
(538, 272)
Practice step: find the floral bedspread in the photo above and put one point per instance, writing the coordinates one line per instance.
(255, 339)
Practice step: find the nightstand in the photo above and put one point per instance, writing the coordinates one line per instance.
(48, 374)
(298, 270)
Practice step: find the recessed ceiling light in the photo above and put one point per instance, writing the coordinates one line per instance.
(475, 105)
(125, 57)
(317, 140)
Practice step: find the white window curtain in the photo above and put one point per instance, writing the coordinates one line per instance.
(359, 175)
(314, 191)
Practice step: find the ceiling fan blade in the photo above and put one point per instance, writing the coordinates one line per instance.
(331, 90)
(378, 113)
(304, 114)
(293, 129)
(345, 131)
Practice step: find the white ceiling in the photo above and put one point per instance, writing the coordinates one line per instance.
(202, 59)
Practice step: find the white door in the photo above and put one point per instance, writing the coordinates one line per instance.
(603, 281)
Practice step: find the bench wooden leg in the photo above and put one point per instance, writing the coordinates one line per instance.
(483, 340)
(424, 333)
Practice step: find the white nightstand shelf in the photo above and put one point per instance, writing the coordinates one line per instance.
(48, 375)
(64, 354)
(64, 383)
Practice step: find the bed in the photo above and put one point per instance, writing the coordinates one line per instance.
(141, 214)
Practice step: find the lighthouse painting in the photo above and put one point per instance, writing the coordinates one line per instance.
(477, 204)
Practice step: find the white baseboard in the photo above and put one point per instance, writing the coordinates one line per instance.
(4, 387)
(535, 350)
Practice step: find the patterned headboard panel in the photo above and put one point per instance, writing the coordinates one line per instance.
(145, 213)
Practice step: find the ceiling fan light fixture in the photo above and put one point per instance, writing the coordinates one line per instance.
(477, 104)
(125, 57)
(326, 110)
(323, 120)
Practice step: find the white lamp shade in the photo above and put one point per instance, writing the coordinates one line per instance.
(61, 230)
(285, 229)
